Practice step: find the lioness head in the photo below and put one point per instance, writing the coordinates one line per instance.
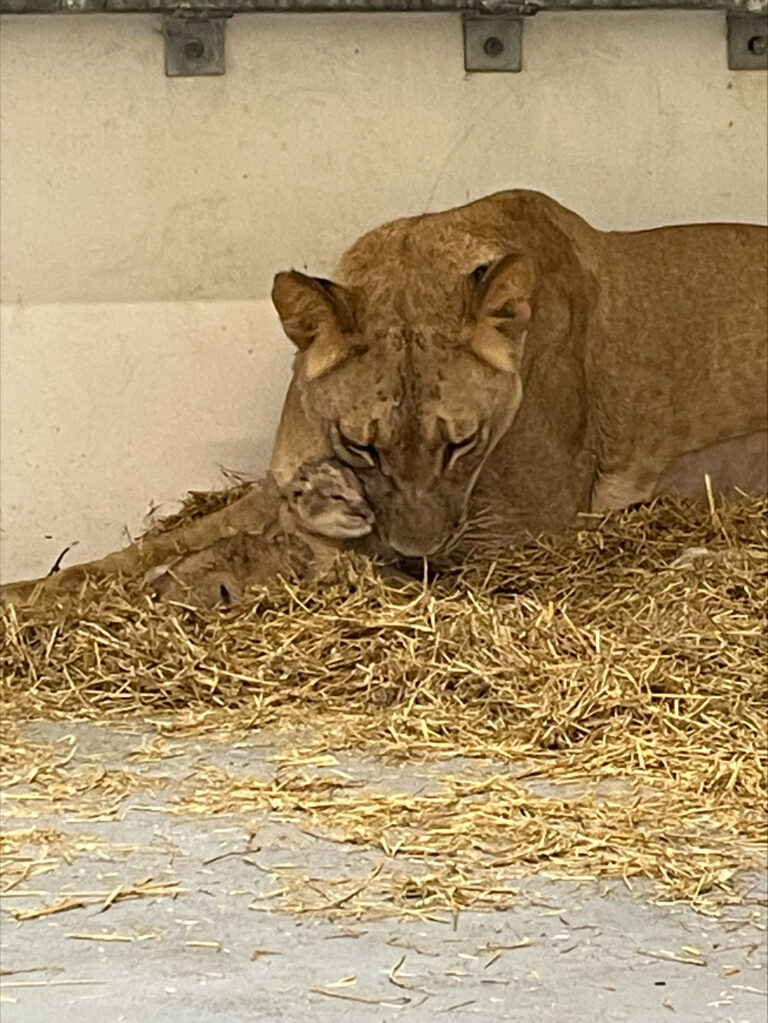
(410, 371)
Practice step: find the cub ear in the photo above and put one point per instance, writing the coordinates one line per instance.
(316, 314)
(500, 310)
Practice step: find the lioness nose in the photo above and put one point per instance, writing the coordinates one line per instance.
(414, 547)
(418, 527)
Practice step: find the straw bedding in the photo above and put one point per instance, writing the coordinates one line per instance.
(608, 684)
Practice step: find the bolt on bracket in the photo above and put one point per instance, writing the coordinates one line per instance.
(747, 41)
(493, 42)
(194, 46)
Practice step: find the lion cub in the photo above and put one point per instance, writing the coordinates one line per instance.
(325, 498)
(323, 504)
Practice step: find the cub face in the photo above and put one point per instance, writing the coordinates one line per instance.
(327, 499)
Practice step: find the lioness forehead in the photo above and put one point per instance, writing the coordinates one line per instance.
(395, 385)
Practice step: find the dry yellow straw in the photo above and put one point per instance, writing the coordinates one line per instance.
(627, 660)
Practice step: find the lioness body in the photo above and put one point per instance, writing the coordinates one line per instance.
(509, 352)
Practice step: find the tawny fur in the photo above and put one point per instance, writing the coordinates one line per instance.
(295, 531)
(604, 367)
(601, 368)
(322, 508)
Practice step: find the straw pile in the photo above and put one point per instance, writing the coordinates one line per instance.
(628, 678)
(199, 503)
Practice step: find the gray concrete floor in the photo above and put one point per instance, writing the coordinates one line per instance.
(581, 952)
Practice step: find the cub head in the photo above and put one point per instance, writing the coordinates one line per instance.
(327, 499)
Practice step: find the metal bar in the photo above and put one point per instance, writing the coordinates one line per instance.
(226, 7)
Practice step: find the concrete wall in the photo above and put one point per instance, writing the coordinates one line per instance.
(143, 217)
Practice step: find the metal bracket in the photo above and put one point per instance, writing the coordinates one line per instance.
(493, 29)
(493, 42)
(194, 46)
(747, 41)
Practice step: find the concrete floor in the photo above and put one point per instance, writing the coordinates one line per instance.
(581, 952)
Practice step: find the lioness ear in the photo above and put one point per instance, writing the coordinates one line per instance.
(316, 314)
(501, 310)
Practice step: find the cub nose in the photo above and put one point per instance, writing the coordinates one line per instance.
(360, 510)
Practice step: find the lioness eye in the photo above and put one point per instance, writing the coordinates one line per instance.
(453, 452)
(479, 272)
(366, 452)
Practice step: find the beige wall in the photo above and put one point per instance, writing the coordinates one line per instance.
(143, 218)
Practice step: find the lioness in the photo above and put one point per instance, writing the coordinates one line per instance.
(509, 352)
